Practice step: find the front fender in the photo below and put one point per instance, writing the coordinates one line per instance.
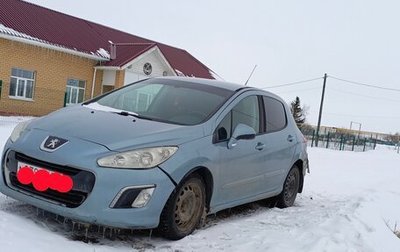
(190, 156)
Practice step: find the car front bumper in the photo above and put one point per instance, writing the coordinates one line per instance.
(97, 206)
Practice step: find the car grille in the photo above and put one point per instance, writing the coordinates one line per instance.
(83, 180)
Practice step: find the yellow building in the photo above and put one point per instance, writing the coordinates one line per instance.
(49, 59)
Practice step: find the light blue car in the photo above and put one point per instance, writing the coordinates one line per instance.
(160, 153)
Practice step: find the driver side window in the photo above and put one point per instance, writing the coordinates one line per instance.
(245, 112)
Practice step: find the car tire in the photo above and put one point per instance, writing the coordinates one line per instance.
(290, 188)
(184, 209)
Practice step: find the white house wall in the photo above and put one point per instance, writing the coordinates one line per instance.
(134, 71)
(132, 77)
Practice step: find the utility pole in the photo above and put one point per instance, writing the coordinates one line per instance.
(320, 109)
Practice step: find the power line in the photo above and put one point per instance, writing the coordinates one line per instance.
(367, 96)
(293, 83)
(333, 77)
(364, 116)
(298, 90)
(363, 84)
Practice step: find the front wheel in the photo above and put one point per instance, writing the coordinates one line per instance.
(184, 209)
(290, 188)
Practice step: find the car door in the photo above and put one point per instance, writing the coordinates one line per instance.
(279, 142)
(241, 172)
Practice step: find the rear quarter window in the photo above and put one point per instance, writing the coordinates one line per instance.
(275, 114)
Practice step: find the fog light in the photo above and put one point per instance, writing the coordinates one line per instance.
(143, 197)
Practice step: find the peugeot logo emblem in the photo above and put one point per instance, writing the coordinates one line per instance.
(52, 143)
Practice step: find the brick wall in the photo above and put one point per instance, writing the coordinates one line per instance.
(119, 78)
(52, 69)
(118, 82)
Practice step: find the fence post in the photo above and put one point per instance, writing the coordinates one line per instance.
(365, 142)
(354, 142)
(341, 142)
(327, 141)
(312, 140)
(1, 86)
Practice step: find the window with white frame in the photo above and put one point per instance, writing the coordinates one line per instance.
(22, 83)
(75, 91)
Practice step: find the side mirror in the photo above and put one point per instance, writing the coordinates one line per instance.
(241, 132)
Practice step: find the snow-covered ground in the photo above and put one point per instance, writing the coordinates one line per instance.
(351, 201)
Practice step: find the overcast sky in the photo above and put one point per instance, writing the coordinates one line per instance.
(288, 40)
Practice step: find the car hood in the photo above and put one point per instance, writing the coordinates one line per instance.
(114, 131)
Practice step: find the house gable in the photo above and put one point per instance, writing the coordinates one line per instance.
(134, 70)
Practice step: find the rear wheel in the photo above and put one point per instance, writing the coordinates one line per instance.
(290, 188)
(184, 209)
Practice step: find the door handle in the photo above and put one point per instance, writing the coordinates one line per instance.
(290, 138)
(260, 146)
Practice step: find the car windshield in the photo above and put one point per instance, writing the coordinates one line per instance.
(171, 101)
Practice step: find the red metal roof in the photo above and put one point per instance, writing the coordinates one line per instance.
(126, 53)
(85, 36)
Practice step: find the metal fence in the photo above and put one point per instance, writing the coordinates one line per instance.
(339, 141)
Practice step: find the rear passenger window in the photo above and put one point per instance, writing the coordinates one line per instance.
(275, 115)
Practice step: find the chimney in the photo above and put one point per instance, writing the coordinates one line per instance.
(113, 51)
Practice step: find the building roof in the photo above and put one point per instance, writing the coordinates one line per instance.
(32, 22)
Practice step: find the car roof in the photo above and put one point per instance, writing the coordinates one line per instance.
(209, 82)
(220, 84)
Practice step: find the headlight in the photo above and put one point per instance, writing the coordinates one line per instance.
(17, 132)
(143, 158)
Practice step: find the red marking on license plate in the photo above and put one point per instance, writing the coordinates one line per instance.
(43, 179)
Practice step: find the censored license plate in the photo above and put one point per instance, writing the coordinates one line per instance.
(42, 179)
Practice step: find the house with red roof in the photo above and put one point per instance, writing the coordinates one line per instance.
(49, 59)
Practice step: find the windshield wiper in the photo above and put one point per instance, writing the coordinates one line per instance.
(126, 113)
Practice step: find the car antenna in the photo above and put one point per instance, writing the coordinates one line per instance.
(250, 75)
